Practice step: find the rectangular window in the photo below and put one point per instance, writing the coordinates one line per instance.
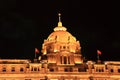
(51, 70)
(13, 69)
(66, 70)
(4, 69)
(68, 59)
(97, 70)
(71, 69)
(67, 47)
(65, 60)
(118, 70)
(81, 70)
(64, 47)
(35, 69)
(111, 70)
(32, 69)
(60, 47)
(21, 69)
(38, 69)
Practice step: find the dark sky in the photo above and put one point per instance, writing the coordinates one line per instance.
(24, 24)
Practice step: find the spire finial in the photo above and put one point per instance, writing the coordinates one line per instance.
(59, 17)
(59, 23)
(60, 27)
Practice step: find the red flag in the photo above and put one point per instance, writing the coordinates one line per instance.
(36, 50)
(99, 52)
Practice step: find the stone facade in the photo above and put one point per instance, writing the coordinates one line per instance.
(61, 60)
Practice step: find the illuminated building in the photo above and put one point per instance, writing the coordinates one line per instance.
(61, 60)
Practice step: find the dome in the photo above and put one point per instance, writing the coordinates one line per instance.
(60, 40)
(61, 36)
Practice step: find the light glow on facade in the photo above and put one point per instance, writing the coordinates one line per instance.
(61, 60)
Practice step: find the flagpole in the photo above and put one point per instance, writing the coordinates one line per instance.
(36, 51)
(98, 56)
(35, 55)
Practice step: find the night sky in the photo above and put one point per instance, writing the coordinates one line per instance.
(24, 24)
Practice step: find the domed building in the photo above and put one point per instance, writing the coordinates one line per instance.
(61, 60)
(61, 47)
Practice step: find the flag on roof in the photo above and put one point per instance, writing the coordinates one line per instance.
(99, 52)
(36, 50)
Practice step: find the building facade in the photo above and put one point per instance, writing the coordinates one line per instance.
(61, 60)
